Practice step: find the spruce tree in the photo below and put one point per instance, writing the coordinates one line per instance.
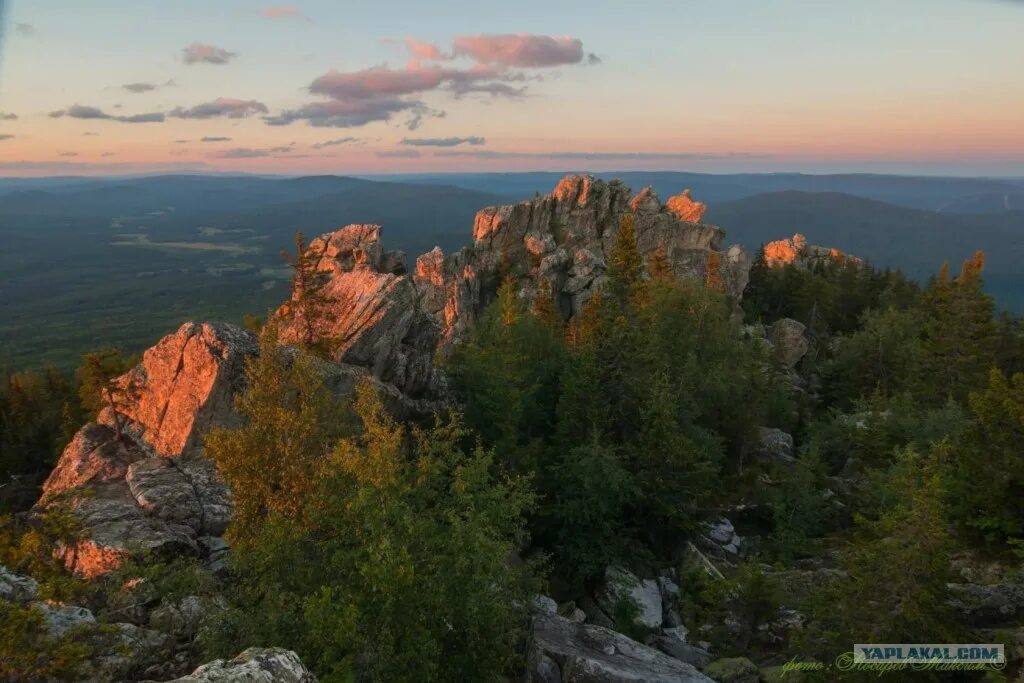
(309, 309)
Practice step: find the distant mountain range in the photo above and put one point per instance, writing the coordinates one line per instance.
(87, 262)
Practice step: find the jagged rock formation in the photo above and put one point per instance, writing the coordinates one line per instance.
(153, 489)
(795, 251)
(394, 322)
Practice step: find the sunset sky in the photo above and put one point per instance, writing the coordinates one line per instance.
(322, 86)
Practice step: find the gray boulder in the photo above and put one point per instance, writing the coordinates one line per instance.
(684, 652)
(622, 585)
(788, 340)
(17, 588)
(986, 605)
(775, 446)
(561, 650)
(255, 665)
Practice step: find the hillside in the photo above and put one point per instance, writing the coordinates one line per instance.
(87, 264)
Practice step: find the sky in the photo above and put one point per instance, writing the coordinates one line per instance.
(114, 87)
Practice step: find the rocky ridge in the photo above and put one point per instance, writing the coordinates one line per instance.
(795, 251)
(395, 321)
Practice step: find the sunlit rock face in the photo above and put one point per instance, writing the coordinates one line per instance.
(795, 251)
(375, 317)
(564, 238)
(395, 322)
(152, 489)
(683, 206)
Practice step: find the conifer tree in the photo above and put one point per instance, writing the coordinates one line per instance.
(625, 264)
(98, 388)
(961, 335)
(545, 308)
(309, 308)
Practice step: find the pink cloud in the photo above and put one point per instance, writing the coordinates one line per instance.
(201, 53)
(414, 78)
(423, 50)
(520, 50)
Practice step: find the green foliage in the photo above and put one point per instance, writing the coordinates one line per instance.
(897, 570)
(586, 512)
(829, 299)
(97, 385)
(273, 461)
(985, 470)
(737, 607)
(393, 565)
(801, 510)
(885, 355)
(630, 421)
(34, 406)
(506, 377)
(28, 652)
(961, 335)
(29, 545)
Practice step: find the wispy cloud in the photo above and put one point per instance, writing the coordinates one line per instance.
(68, 154)
(350, 113)
(80, 111)
(242, 153)
(6, 136)
(254, 153)
(214, 138)
(201, 53)
(442, 142)
(222, 106)
(139, 88)
(521, 50)
(8, 117)
(25, 30)
(336, 142)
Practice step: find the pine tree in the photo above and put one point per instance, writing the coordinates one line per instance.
(985, 474)
(545, 309)
(961, 335)
(625, 264)
(98, 388)
(309, 309)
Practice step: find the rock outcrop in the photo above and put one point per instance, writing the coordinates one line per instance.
(255, 665)
(152, 489)
(795, 251)
(394, 322)
(787, 340)
(563, 651)
(644, 595)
